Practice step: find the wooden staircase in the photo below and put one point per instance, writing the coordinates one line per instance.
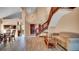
(46, 24)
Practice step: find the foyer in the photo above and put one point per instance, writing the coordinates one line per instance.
(39, 29)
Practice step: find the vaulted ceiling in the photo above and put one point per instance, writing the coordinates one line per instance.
(37, 15)
(7, 11)
(57, 17)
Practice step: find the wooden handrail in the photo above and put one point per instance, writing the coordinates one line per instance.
(46, 24)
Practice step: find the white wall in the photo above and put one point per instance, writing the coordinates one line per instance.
(69, 22)
(56, 18)
(8, 22)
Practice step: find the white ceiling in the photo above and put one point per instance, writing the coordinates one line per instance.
(31, 10)
(56, 17)
(37, 15)
(7, 11)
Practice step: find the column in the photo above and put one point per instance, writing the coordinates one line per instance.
(26, 24)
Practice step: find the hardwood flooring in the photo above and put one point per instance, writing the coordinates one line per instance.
(28, 44)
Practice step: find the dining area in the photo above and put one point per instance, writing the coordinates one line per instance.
(8, 36)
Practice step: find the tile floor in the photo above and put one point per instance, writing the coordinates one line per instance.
(21, 44)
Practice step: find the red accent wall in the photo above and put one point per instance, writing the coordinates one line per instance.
(32, 27)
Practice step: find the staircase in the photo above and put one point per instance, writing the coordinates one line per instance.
(46, 24)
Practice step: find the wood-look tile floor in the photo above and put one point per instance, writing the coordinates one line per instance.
(36, 44)
(28, 44)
